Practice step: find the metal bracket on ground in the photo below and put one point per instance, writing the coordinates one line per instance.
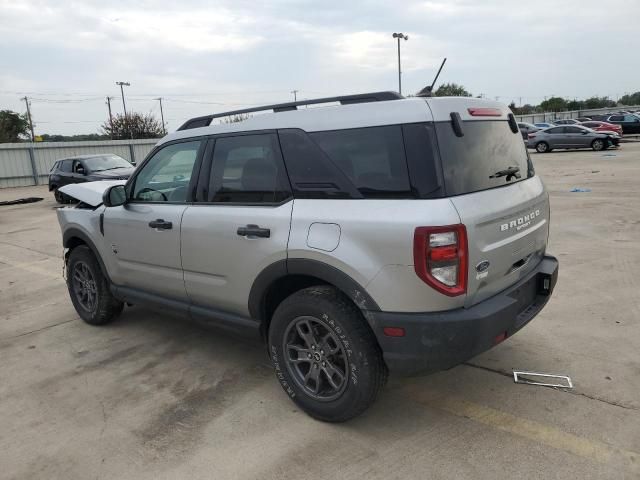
(520, 377)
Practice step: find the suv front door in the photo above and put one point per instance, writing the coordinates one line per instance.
(143, 235)
(239, 224)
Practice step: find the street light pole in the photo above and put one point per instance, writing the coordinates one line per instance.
(404, 37)
(295, 95)
(123, 84)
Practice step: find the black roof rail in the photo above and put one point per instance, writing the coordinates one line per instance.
(205, 121)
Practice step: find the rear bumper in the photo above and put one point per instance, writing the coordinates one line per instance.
(441, 340)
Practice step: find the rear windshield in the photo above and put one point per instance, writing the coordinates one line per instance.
(485, 157)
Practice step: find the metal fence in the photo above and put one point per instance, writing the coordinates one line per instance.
(23, 164)
(550, 116)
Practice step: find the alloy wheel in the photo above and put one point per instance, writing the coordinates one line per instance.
(316, 358)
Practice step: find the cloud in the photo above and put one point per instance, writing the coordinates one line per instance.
(240, 52)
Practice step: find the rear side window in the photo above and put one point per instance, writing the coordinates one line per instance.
(248, 169)
(65, 165)
(373, 159)
(556, 130)
(482, 157)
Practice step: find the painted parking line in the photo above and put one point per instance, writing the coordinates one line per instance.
(538, 432)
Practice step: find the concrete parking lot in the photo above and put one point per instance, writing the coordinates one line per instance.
(151, 396)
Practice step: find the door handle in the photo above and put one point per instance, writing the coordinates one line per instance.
(161, 224)
(253, 231)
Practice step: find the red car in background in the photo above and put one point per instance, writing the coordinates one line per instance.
(602, 126)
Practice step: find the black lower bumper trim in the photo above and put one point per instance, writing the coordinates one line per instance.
(442, 340)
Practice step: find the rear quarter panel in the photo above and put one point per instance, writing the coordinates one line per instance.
(375, 247)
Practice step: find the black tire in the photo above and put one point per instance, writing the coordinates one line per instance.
(337, 326)
(598, 145)
(59, 196)
(89, 289)
(542, 147)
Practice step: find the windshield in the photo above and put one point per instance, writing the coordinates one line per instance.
(106, 162)
(488, 155)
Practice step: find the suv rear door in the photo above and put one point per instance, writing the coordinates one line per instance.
(239, 224)
(506, 217)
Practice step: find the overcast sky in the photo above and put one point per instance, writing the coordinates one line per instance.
(209, 56)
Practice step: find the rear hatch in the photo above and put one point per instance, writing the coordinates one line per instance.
(490, 180)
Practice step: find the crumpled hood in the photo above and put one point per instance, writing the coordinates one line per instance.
(89, 192)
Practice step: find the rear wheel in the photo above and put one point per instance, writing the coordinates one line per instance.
(598, 145)
(325, 356)
(542, 147)
(89, 289)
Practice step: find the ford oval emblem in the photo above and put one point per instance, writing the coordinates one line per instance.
(482, 266)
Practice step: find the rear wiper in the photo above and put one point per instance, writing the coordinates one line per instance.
(511, 172)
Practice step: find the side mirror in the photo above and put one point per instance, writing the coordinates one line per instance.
(114, 196)
(80, 170)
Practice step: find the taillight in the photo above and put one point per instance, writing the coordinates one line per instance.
(531, 135)
(440, 258)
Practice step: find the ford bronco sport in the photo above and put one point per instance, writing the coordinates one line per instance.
(374, 234)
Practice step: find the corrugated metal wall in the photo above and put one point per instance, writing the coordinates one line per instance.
(18, 159)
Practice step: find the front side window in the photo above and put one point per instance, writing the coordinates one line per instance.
(616, 118)
(573, 130)
(248, 169)
(165, 177)
(372, 158)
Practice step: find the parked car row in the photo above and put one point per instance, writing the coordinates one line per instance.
(571, 136)
(623, 122)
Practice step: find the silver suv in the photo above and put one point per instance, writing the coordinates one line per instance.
(373, 234)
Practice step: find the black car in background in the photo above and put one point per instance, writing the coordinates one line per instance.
(630, 123)
(87, 168)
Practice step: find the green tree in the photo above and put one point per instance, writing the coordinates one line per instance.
(554, 104)
(599, 102)
(451, 90)
(575, 105)
(13, 126)
(133, 125)
(633, 99)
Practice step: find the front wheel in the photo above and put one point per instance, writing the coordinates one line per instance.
(324, 354)
(542, 147)
(59, 196)
(89, 289)
(598, 145)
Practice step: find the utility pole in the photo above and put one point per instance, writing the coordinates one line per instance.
(295, 95)
(26, 102)
(164, 130)
(110, 116)
(123, 84)
(404, 37)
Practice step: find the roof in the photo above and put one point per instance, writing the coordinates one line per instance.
(357, 115)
